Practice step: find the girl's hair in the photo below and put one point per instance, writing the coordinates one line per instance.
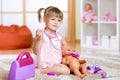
(49, 12)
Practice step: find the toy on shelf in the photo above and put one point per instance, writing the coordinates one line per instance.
(88, 14)
(95, 42)
(107, 16)
(114, 18)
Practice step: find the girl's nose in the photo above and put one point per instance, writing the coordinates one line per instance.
(56, 22)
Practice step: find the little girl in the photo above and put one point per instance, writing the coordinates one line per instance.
(48, 42)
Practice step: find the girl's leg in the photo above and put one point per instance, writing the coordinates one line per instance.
(57, 68)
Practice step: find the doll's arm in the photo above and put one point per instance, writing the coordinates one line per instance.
(82, 61)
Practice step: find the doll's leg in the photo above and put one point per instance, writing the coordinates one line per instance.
(57, 68)
(75, 68)
(83, 70)
(77, 73)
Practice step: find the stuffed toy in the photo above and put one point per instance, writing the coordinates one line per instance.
(77, 66)
(107, 16)
(89, 15)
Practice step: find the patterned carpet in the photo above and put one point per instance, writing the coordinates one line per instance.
(108, 61)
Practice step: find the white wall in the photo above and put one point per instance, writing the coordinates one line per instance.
(78, 20)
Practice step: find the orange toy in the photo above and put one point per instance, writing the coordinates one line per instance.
(15, 37)
(77, 66)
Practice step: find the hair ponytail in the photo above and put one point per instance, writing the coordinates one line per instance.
(39, 14)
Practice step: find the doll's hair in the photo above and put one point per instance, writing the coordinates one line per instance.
(49, 12)
(88, 4)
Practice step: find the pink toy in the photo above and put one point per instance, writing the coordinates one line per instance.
(22, 68)
(107, 16)
(114, 18)
(95, 42)
(74, 54)
(50, 37)
(51, 74)
(89, 15)
(104, 74)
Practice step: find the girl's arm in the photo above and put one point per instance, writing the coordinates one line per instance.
(38, 42)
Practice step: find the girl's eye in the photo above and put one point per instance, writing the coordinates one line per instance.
(59, 20)
(52, 19)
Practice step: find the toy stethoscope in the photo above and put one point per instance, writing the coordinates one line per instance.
(93, 69)
(50, 38)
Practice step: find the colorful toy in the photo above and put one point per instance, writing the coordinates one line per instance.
(95, 42)
(89, 15)
(104, 74)
(95, 69)
(51, 74)
(22, 68)
(74, 54)
(76, 65)
(107, 16)
(114, 18)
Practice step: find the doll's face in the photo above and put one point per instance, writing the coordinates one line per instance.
(88, 7)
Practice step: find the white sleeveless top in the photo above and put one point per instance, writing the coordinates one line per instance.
(48, 55)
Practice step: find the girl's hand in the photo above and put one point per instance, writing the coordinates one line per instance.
(39, 35)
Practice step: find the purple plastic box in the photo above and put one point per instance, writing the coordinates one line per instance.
(22, 68)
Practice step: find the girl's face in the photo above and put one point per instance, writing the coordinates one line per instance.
(53, 23)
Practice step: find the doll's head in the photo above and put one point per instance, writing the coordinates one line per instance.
(88, 6)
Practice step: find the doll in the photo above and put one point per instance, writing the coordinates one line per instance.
(77, 66)
(89, 15)
(107, 16)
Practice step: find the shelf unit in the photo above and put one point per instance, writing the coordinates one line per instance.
(101, 34)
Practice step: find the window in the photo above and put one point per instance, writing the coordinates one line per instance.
(25, 12)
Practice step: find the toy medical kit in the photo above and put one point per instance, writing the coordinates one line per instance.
(22, 68)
